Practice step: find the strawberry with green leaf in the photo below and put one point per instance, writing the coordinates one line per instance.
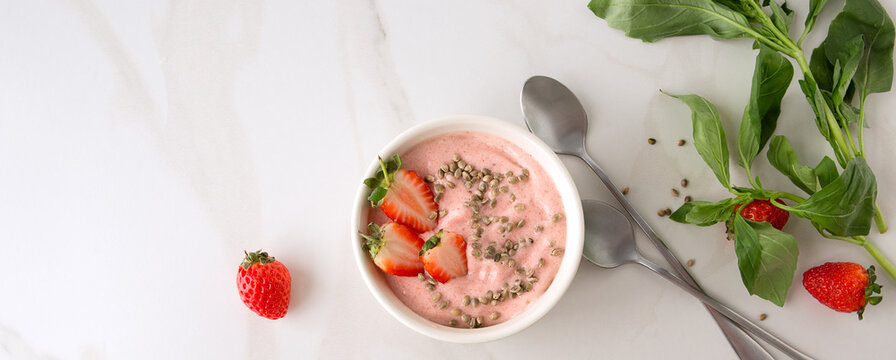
(394, 248)
(843, 286)
(445, 256)
(403, 196)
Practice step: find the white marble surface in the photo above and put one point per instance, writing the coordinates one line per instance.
(144, 145)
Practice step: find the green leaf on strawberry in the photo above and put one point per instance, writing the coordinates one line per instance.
(379, 184)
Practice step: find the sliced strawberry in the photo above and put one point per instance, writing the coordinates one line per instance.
(395, 248)
(403, 196)
(445, 256)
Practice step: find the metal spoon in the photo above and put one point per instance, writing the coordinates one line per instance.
(555, 115)
(609, 242)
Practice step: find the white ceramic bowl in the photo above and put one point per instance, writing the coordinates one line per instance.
(375, 279)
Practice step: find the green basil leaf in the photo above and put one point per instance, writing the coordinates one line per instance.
(771, 78)
(848, 62)
(868, 19)
(822, 69)
(816, 100)
(783, 158)
(704, 213)
(781, 15)
(845, 206)
(851, 113)
(652, 20)
(766, 257)
(815, 8)
(709, 136)
(826, 171)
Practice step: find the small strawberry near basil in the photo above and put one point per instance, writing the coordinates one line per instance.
(843, 286)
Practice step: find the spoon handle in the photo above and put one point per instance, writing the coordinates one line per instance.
(724, 310)
(746, 347)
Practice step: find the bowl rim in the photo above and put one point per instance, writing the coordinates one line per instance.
(375, 280)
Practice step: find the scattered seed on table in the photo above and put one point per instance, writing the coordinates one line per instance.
(625, 190)
(651, 141)
(687, 198)
(684, 182)
(674, 192)
(668, 211)
(762, 317)
(661, 213)
(681, 142)
(690, 263)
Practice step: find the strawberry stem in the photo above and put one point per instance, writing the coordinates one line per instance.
(386, 181)
(259, 257)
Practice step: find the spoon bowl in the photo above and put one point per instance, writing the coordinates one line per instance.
(609, 236)
(562, 121)
(609, 243)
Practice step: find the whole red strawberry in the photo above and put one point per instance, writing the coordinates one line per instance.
(264, 285)
(843, 286)
(762, 210)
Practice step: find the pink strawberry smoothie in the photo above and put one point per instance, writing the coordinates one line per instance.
(521, 220)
